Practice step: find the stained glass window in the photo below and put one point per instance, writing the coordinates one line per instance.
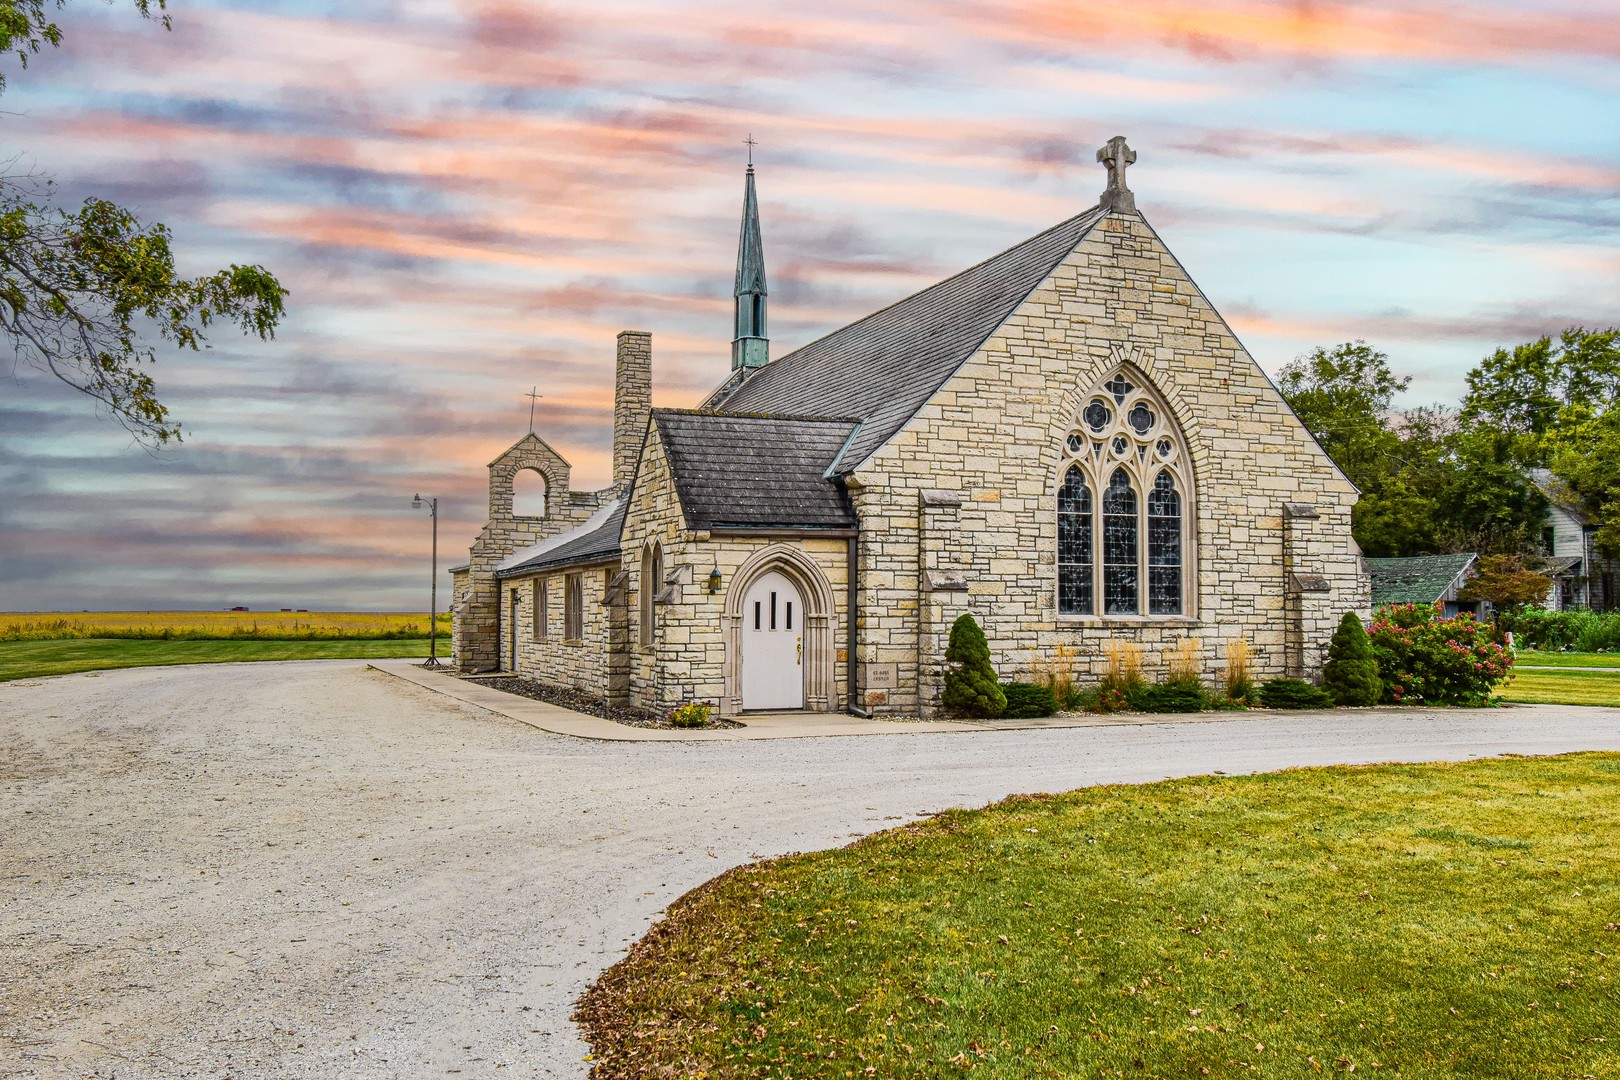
(1121, 547)
(1120, 571)
(1164, 547)
(1075, 580)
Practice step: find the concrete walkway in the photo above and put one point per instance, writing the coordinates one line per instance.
(785, 725)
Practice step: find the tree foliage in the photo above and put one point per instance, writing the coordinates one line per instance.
(1504, 581)
(1430, 482)
(83, 291)
(970, 681)
(1534, 392)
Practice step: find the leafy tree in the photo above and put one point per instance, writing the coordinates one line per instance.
(1531, 392)
(1588, 458)
(1429, 482)
(970, 681)
(1504, 581)
(78, 287)
(1351, 671)
(1342, 395)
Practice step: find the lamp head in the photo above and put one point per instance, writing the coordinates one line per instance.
(416, 502)
(714, 578)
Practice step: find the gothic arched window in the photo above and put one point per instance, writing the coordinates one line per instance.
(1123, 446)
(652, 578)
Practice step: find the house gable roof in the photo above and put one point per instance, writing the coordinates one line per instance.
(755, 471)
(885, 367)
(1420, 579)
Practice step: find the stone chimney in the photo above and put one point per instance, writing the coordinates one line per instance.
(632, 402)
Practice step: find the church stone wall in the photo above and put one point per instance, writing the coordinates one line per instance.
(958, 510)
(580, 664)
(688, 658)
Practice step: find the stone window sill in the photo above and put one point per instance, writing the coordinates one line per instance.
(1129, 620)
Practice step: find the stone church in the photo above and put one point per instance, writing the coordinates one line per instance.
(1066, 440)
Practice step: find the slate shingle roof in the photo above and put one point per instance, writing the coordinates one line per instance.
(1420, 579)
(883, 368)
(745, 471)
(595, 541)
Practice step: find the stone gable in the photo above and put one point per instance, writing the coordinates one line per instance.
(993, 435)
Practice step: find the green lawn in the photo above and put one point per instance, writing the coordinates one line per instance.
(1549, 686)
(26, 659)
(1413, 921)
(1567, 659)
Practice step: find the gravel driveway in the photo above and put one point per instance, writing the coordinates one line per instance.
(281, 870)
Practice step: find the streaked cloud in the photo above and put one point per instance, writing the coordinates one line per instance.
(468, 200)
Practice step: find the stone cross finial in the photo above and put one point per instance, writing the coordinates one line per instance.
(1116, 155)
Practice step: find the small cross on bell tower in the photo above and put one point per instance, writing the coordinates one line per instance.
(1116, 155)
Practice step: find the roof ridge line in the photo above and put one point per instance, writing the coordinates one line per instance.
(801, 417)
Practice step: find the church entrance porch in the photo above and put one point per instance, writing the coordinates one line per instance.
(772, 644)
(779, 619)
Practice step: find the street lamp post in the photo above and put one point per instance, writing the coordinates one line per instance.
(433, 611)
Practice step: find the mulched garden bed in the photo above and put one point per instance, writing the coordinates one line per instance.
(591, 705)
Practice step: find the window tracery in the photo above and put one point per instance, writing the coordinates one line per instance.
(1124, 503)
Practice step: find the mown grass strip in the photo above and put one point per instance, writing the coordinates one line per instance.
(1537, 659)
(1549, 686)
(28, 659)
(1411, 920)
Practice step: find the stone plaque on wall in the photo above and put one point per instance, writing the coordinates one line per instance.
(882, 676)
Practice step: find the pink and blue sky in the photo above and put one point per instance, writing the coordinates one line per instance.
(468, 199)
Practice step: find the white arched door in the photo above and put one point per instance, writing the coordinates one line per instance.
(772, 644)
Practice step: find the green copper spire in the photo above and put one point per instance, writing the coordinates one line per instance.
(750, 348)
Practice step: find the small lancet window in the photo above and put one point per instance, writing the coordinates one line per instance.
(1164, 547)
(1075, 545)
(1120, 580)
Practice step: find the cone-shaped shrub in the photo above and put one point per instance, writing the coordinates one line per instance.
(1351, 672)
(970, 681)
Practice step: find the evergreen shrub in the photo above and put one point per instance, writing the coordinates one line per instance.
(1168, 697)
(970, 681)
(1293, 694)
(1424, 658)
(1027, 700)
(1351, 672)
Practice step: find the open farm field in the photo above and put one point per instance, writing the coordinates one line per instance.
(217, 625)
(31, 659)
(1399, 920)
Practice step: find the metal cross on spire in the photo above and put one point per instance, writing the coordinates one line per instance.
(1116, 156)
(750, 143)
(533, 395)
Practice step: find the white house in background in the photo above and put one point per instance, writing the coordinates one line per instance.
(1581, 577)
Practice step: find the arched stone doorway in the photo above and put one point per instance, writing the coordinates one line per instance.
(815, 595)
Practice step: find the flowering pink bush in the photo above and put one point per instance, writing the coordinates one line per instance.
(1424, 658)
